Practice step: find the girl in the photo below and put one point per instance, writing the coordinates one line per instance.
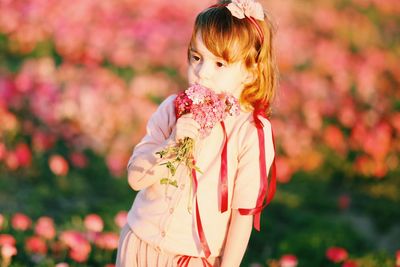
(230, 51)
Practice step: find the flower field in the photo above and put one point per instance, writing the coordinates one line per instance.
(78, 83)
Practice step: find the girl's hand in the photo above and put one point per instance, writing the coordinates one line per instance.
(186, 126)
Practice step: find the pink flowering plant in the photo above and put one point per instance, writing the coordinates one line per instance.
(208, 108)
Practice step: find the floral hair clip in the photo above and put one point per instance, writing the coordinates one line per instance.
(246, 8)
(249, 9)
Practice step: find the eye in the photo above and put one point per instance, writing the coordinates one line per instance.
(195, 58)
(220, 64)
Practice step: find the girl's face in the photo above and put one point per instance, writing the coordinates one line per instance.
(214, 72)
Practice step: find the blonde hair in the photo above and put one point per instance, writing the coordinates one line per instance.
(235, 39)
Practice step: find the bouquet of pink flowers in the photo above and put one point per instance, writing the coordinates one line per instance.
(208, 109)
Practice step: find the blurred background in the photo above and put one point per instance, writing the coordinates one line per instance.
(78, 82)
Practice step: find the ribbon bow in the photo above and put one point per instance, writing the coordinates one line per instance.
(246, 8)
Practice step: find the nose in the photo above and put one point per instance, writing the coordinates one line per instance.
(204, 71)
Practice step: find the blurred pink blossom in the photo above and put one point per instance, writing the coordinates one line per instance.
(378, 141)
(6, 239)
(288, 260)
(36, 245)
(21, 222)
(79, 246)
(336, 254)
(58, 165)
(94, 223)
(350, 263)
(284, 173)
(121, 218)
(78, 159)
(23, 154)
(42, 141)
(107, 241)
(45, 227)
(334, 138)
(3, 152)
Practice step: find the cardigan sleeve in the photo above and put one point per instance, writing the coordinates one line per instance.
(158, 132)
(247, 181)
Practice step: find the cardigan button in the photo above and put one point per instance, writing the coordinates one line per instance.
(171, 210)
(163, 233)
(182, 186)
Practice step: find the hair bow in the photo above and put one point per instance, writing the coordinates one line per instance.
(246, 8)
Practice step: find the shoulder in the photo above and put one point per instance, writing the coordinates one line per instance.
(168, 103)
(245, 123)
(247, 133)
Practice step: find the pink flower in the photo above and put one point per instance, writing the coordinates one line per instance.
(78, 245)
(58, 165)
(6, 239)
(94, 223)
(36, 245)
(42, 141)
(284, 175)
(398, 258)
(107, 241)
(349, 263)
(336, 254)
(7, 251)
(121, 218)
(207, 107)
(78, 160)
(20, 222)
(12, 161)
(288, 261)
(62, 264)
(3, 151)
(334, 138)
(45, 228)
(80, 254)
(23, 154)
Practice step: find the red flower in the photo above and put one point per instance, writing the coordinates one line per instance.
(78, 160)
(58, 165)
(349, 263)
(107, 241)
(6, 239)
(36, 245)
(3, 151)
(336, 254)
(78, 245)
(20, 222)
(94, 223)
(288, 261)
(23, 154)
(398, 258)
(45, 228)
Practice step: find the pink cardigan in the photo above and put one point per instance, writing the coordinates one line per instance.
(160, 214)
